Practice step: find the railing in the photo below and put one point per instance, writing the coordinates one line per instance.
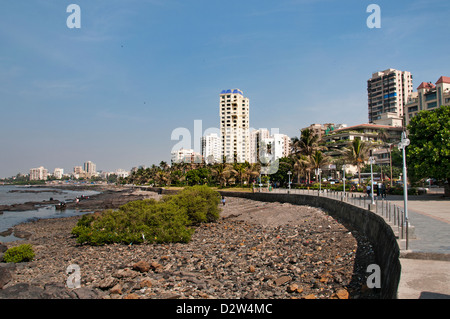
(393, 214)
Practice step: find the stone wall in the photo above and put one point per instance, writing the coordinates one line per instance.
(378, 232)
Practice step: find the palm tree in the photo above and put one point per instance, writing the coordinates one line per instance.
(357, 153)
(302, 165)
(318, 159)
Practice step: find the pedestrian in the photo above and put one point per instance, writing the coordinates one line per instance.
(368, 189)
(383, 191)
(223, 200)
(378, 190)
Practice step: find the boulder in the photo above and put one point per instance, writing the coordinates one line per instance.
(142, 266)
(5, 276)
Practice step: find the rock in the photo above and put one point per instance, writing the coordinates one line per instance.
(142, 266)
(251, 268)
(342, 294)
(125, 273)
(156, 267)
(3, 248)
(310, 296)
(21, 291)
(292, 288)
(282, 280)
(107, 283)
(117, 289)
(132, 296)
(5, 276)
(87, 293)
(145, 283)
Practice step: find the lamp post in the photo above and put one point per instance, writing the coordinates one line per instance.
(318, 171)
(289, 175)
(343, 178)
(371, 162)
(402, 146)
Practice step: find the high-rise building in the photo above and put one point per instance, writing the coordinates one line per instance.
(90, 168)
(428, 97)
(234, 126)
(39, 173)
(388, 92)
(256, 141)
(212, 148)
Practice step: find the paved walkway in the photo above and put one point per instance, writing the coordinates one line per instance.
(426, 266)
(426, 263)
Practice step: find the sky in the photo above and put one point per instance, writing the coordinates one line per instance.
(113, 91)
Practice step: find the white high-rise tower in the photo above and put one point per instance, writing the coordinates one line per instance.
(234, 126)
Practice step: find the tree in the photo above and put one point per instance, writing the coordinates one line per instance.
(318, 160)
(428, 154)
(357, 153)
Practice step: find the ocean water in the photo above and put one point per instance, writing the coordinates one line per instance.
(21, 194)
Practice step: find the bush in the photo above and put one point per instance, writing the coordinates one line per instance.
(149, 220)
(200, 202)
(19, 254)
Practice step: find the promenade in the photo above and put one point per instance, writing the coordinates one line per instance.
(426, 262)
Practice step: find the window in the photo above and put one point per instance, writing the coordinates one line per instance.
(431, 105)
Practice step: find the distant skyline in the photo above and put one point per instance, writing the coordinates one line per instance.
(113, 91)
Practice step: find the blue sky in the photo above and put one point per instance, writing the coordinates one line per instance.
(114, 90)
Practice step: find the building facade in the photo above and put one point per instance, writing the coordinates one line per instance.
(90, 168)
(211, 148)
(58, 173)
(388, 92)
(186, 156)
(37, 174)
(235, 126)
(429, 96)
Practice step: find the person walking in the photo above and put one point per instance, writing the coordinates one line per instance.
(368, 189)
(223, 200)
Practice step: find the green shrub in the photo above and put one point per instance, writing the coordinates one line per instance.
(200, 202)
(151, 221)
(19, 254)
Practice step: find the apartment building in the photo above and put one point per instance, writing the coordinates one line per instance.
(186, 156)
(39, 173)
(90, 168)
(58, 173)
(388, 92)
(234, 125)
(211, 148)
(429, 96)
(273, 146)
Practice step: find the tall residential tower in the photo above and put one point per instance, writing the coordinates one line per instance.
(234, 126)
(388, 92)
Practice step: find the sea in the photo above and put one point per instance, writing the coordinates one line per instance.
(10, 194)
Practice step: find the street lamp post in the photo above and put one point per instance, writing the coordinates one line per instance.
(343, 178)
(318, 171)
(371, 162)
(402, 146)
(289, 174)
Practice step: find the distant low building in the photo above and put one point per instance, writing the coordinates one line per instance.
(58, 173)
(186, 156)
(39, 173)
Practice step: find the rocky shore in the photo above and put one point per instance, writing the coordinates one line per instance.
(256, 250)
